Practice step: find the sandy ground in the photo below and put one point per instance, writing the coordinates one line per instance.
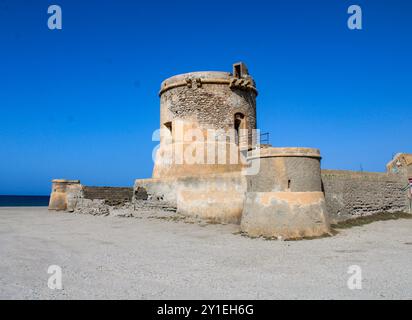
(112, 257)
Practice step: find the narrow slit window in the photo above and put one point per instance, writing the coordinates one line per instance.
(238, 124)
(169, 134)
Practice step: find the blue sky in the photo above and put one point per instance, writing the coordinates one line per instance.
(82, 102)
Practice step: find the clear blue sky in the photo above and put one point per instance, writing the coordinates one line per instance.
(82, 102)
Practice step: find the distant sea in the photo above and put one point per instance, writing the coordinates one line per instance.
(24, 201)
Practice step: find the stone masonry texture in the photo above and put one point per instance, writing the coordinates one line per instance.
(352, 194)
(210, 105)
(111, 195)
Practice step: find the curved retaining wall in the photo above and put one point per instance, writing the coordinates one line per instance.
(288, 215)
(285, 198)
(286, 169)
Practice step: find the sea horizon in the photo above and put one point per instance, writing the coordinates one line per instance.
(24, 201)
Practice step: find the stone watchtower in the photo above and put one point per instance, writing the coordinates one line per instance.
(193, 103)
(280, 193)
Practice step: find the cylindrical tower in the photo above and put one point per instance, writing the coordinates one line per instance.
(193, 104)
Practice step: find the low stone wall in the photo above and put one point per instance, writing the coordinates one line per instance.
(221, 197)
(70, 195)
(351, 194)
(111, 195)
(218, 197)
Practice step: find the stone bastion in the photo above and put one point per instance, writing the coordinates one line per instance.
(285, 198)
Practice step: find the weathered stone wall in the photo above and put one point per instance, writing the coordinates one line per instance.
(285, 214)
(65, 194)
(211, 105)
(285, 198)
(111, 195)
(352, 194)
(193, 103)
(161, 189)
(217, 197)
(287, 169)
(196, 159)
(401, 164)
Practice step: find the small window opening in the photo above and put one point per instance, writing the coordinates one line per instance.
(169, 134)
(238, 124)
(289, 184)
(168, 126)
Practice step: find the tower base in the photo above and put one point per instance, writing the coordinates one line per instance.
(289, 215)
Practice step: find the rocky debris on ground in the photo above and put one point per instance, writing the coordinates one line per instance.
(150, 208)
(94, 207)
